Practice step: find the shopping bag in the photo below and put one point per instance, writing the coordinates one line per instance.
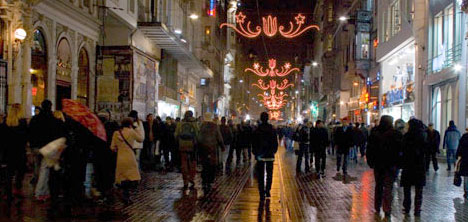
(157, 151)
(52, 152)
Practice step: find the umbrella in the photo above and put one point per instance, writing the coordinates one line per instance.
(81, 114)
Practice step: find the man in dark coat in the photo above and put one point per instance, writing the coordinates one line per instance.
(233, 147)
(433, 140)
(414, 165)
(227, 135)
(319, 142)
(462, 153)
(265, 146)
(382, 156)
(244, 140)
(302, 136)
(150, 126)
(342, 141)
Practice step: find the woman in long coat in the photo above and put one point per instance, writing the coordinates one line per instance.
(127, 173)
(414, 170)
(462, 153)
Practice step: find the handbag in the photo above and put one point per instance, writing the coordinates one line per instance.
(457, 180)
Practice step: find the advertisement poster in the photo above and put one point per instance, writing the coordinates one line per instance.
(144, 93)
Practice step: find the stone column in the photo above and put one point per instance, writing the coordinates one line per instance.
(52, 66)
(92, 76)
(420, 26)
(462, 79)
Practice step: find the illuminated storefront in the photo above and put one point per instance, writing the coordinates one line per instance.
(397, 85)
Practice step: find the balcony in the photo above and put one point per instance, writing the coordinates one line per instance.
(444, 60)
(160, 34)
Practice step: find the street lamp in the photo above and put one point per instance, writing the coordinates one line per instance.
(314, 64)
(193, 16)
(20, 34)
(343, 18)
(457, 67)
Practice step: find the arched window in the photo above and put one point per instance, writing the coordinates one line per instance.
(436, 108)
(63, 72)
(448, 105)
(38, 68)
(83, 77)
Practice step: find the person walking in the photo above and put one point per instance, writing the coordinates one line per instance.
(433, 140)
(209, 142)
(451, 139)
(14, 137)
(127, 173)
(365, 134)
(43, 129)
(244, 140)
(227, 135)
(288, 137)
(168, 143)
(358, 140)
(138, 126)
(233, 147)
(302, 136)
(186, 136)
(382, 156)
(319, 143)
(264, 148)
(342, 141)
(149, 144)
(413, 165)
(462, 155)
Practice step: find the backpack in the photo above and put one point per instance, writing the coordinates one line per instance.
(303, 134)
(187, 137)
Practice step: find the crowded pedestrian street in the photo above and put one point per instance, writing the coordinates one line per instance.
(295, 197)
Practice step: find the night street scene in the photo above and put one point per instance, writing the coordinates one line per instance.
(233, 110)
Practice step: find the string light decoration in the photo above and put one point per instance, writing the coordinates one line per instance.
(270, 27)
(272, 71)
(273, 85)
(273, 101)
(275, 115)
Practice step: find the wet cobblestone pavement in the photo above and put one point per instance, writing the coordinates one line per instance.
(301, 197)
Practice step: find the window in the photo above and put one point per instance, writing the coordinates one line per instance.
(436, 108)
(330, 12)
(38, 68)
(443, 39)
(83, 77)
(131, 6)
(448, 105)
(448, 27)
(395, 16)
(363, 44)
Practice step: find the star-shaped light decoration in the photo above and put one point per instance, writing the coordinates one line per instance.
(240, 18)
(287, 65)
(256, 65)
(300, 19)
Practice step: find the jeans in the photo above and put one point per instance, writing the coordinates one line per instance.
(362, 150)
(288, 143)
(137, 157)
(303, 153)
(451, 157)
(342, 156)
(465, 184)
(42, 188)
(89, 180)
(431, 156)
(384, 179)
(417, 199)
(188, 167)
(233, 149)
(320, 160)
(261, 166)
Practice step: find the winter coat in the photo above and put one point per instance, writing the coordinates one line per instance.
(302, 134)
(433, 141)
(209, 141)
(451, 138)
(127, 166)
(463, 153)
(265, 143)
(383, 148)
(156, 131)
(244, 136)
(14, 143)
(45, 128)
(226, 132)
(288, 132)
(318, 138)
(413, 163)
(140, 130)
(342, 139)
(167, 136)
(358, 136)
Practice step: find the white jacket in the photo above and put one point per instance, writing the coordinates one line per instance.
(140, 130)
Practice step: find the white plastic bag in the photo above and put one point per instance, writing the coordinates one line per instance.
(157, 151)
(52, 152)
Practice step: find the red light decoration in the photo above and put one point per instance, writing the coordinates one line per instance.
(273, 101)
(34, 91)
(272, 71)
(275, 115)
(273, 85)
(270, 27)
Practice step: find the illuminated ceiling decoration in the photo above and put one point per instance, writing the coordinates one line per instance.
(270, 27)
(272, 71)
(275, 115)
(273, 101)
(273, 85)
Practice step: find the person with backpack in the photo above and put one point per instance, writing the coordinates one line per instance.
(210, 143)
(264, 148)
(382, 156)
(186, 136)
(302, 136)
(451, 139)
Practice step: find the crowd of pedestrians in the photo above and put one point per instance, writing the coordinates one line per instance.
(86, 167)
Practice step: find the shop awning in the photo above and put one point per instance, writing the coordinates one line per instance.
(167, 40)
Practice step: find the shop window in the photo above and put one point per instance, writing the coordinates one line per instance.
(436, 108)
(63, 78)
(363, 42)
(448, 105)
(83, 78)
(38, 69)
